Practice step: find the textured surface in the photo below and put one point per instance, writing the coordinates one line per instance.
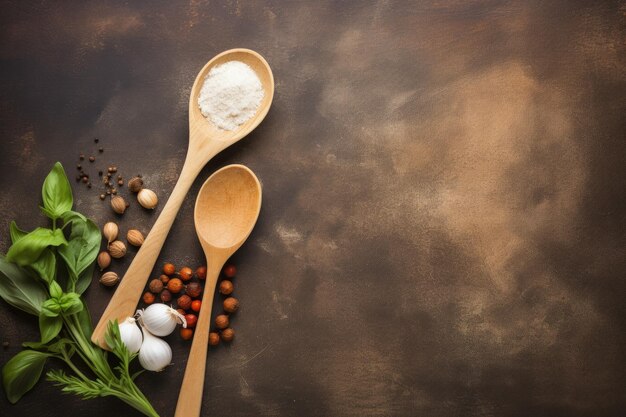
(443, 228)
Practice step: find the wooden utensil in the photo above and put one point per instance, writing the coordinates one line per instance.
(226, 210)
(205, 141)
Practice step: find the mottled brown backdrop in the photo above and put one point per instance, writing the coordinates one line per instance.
(443, 228)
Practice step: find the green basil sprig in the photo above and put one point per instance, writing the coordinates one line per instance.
(29, 281)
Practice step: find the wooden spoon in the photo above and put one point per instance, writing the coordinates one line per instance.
(205, 141)
(227, 208)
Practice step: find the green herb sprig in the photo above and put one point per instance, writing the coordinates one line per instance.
(44, 273)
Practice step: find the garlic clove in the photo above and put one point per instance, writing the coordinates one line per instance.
(155, 354)
(118, 204)
(134, 237)
(160, 319)
(104, 260)
(117, 249)
(109, 279)
(131, 334)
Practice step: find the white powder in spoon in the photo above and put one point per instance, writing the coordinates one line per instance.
(231, 95)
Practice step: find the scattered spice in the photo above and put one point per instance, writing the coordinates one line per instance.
(214, 339)
(185, 273)
(169, 269)
(191, 319)
(186, 334)
(164, 279)
(201, 272)
(229, 271)
(175, 285)
(196, 305)
(194, 289)
(226, 287)
(148, 298)
(221, 321)
(166, 296)
(184, 302)
(5, 344)
(92, 158)
(135, 184)
(231, 305)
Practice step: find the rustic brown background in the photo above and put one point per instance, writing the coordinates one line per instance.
(443, 229)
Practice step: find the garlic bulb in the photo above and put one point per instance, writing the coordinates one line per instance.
(161, 319)
(155, 354)
(131, 335)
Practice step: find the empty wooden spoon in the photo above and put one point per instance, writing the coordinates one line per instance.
(226, 210)
(205, 141)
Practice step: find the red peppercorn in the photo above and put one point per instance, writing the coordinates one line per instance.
(201, 273)
(185, 273)
(184, 302)
(166, 296)
(196, 305)
(192, 319)
(175, 285)
(228, 335)
(148, 297)
(229, 271)
(194, 289)
(221, 321)
(186, 334)
(169, 269)
(214, 339)
(226, 287)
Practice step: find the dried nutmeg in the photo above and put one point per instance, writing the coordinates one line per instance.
(134, 237)
(118, 204)
(228, 335)
(164, 279)
(117, 249)
(226, 287)
(147, 198)
(110, 231)
(104, 260)
(184, 302)
(109, 279)
(214, 339)
(221, 321)
(166, 296)
(135, 184)
(156, 286)
(231, 304)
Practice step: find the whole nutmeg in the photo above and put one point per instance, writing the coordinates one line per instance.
(134, 237)
(228, 335)
(184, 302)
(164, 279)
(156, 286)
(166, 296)
(229, 271)
(201, 272)
(110, 231)
(221, 321)
(147, 198)
(169, 269)
(135, 184)
(109, 279)
(175, 285)
(117, 249)
(214, 339)
(118, 204)
(226, 287)
(231, 304)
(104, 260)
(194, 289)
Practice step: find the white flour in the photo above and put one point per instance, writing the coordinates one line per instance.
(231, 95)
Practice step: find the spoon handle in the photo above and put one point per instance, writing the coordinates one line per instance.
(190, 397)
(124, 301)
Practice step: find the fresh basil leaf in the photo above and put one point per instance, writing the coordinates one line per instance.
(56, 193)
(46, 265)
(22, 372)
(21, 289)
(83, 247)
(70, 216)
(16, 232)
(84, 279)
(51, 308)
(84, 319)
(49, 327)
(71, 303)
(26, 250)
(55, 290)
(56, 347)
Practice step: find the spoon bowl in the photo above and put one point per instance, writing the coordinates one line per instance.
(205, 141)
(226, 211)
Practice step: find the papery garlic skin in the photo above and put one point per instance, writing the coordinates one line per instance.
(160, 319)
(155, 354)
(131, 335)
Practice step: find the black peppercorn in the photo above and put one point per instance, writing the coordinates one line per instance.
(79, 166)
(120, 182)
(81, 157)
(108, 192)
(88, 185)
(99, 173)
(102, 196)
(96, 140)
(85, 180)
(92, 158)
(101, 150)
